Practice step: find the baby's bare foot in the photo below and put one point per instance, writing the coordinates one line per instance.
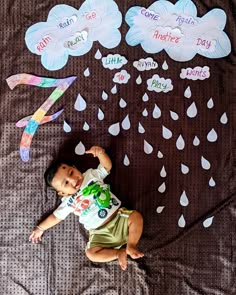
(133, 252)
(122, 258)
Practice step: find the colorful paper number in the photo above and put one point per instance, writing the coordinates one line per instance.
(24, 121)
(31, 127)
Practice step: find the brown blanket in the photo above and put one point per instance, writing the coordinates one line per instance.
(189, 237)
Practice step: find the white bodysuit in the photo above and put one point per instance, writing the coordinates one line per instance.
(93, 202)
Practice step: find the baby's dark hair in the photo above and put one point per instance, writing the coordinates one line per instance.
(52, 170)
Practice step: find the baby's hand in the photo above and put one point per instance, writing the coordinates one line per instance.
(36, 235)
(95, 151)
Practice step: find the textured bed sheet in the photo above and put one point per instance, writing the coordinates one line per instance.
(189, 236)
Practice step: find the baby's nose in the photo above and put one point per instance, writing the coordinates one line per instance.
(72, 180)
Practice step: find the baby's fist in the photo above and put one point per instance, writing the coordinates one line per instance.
(95, 151)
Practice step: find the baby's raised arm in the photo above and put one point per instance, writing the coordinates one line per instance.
(104, 159)
(47, 223)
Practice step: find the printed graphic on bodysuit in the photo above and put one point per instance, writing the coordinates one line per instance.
(82, 204)
(101, 195)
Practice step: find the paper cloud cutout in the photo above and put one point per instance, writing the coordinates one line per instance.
(121, 77)
(198, 73)
(176, 29)
(159, 84)
(113, 61)
(69, 31)
(145, 64)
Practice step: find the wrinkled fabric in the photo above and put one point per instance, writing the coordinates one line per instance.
(182, 256)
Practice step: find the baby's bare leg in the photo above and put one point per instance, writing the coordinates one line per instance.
(135, 224)
(99, 254)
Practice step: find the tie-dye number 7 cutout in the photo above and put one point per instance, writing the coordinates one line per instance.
(32, 125)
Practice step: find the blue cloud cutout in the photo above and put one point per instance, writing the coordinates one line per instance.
(69, 31)
(178, 30)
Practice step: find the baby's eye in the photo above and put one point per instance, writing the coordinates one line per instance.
(66, 182)
(71, 172)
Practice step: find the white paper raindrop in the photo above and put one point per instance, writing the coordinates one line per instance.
(174, 116)
(104, 95)
(166, 133)
(196, 141)
(212, 182)
(162, 188)
(139, 80)
(156, 112)
(187, 92)
(212, 135)
(147, 147)
(205, 163)
(114, 129)
(100, 114)
(192, 110)
(159, 155)
(66, 127)
(140, 128)
(145, 97)
(126, 161)
(180, 144)
(86, 126)
(224, 119)
(126, 123)
(80, 149)
(114, 89)
(80, 103)
(181, 221)
(145, 112)
(184, 169)
(208, 222)
(160, 209)
(87, 72)
(210, 103)
(184, 199)
(122, 103)
(98, 54)
(163, 172)
(165, 66)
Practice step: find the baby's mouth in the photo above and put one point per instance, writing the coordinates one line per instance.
(78, 183)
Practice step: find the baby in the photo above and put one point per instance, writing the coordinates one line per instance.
(86, 195)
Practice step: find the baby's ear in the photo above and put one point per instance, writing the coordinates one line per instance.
(61, 194)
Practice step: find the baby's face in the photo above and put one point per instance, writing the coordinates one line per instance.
(67, 180)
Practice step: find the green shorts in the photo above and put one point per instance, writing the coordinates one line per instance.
(113, 234)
